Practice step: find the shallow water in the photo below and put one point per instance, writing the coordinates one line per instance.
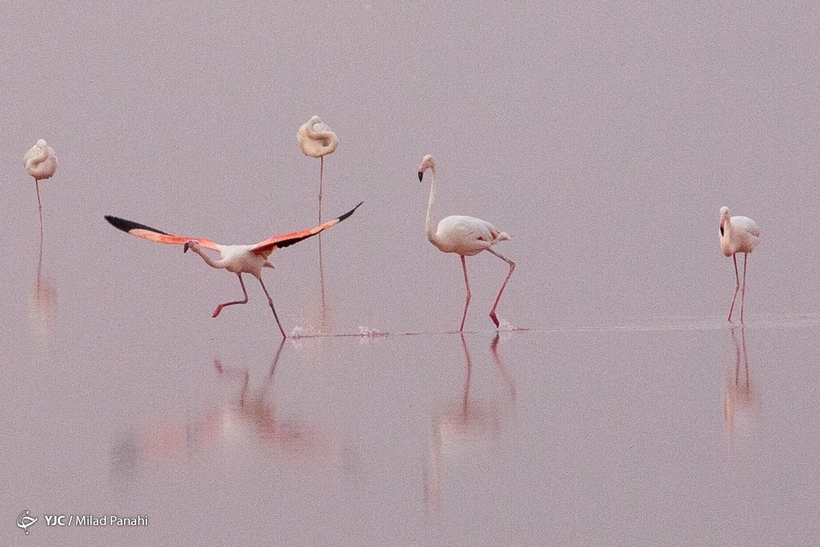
(695, 434)
(617, 406)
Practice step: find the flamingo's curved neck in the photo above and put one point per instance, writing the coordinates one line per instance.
(207, 258)
(431, 230)
(38, 159)
(725, 225)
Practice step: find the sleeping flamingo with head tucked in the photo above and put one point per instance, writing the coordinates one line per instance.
(41, 163)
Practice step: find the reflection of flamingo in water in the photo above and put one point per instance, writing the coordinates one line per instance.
(464, 236)
(254, 409)
(45, 297)
(251, 416)
(459, 424)
(738, 235)
(237, 259)
(738, 393)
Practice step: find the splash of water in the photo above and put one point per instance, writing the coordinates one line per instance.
(506, 326)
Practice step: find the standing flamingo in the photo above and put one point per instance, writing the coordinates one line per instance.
(317, 141)
(465, 236)
(738, 235)
(41, 163)
(236, 259)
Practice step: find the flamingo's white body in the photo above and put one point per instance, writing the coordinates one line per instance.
(317, 141)
(464, 236)
(738, 235)
(236, 259)
(40, 160)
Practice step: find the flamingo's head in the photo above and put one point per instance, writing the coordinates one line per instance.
(427, 162)
(724, 216)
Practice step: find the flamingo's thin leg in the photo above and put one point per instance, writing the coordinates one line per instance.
(219, 307)
(39, 208)
(737, 286)
(467, 301)
(270, 303)
(321, 173)
(321, 265)
(497, 298)
(40, 259)
(322, 278)
(743, 287)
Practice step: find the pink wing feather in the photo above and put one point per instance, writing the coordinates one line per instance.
(284, 240)
(152, 234)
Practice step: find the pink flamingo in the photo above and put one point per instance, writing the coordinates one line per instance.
(237, 259)
(464, 236)
(738, 235)
(41, 163)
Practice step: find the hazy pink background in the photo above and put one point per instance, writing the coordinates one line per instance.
(603, 136)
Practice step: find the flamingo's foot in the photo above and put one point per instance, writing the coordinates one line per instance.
(494, 318)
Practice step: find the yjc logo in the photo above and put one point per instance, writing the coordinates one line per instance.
(24, 520)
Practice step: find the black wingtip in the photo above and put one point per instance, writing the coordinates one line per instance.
(317, 230)
(347, 214)
(119, 223)
(128, 225)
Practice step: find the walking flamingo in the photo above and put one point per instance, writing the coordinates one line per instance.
(41, 163)
(464, 236)
(236, 259)
(317, 141)
(738, 235)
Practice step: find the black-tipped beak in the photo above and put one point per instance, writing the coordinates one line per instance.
(185, 248)
(421, 174)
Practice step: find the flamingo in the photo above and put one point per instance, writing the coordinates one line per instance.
(464, 236)
(738, 235)
(236, 259)
(317, 141)
(41, 163)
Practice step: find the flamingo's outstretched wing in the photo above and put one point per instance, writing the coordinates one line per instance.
(152, 234)
(284, 240)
